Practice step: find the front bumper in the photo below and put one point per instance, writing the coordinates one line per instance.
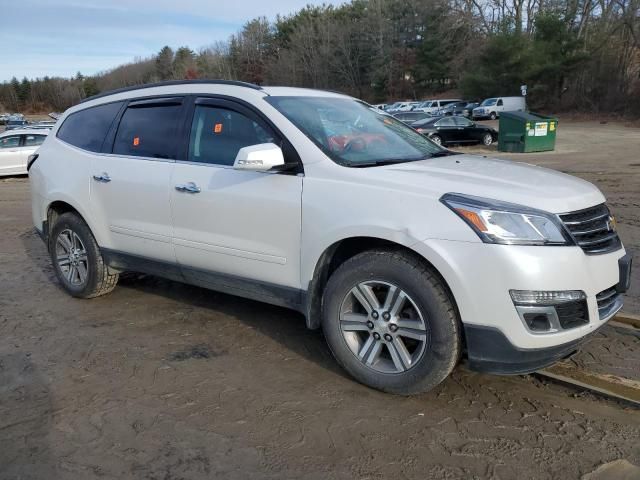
(481, 275)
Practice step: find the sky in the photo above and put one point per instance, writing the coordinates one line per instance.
(62, 37)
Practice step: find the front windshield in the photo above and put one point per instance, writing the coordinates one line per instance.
(353, 134)
(488, 102)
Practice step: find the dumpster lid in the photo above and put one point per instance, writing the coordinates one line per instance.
(526, 116)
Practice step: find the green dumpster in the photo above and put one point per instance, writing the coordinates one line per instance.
(525, 132)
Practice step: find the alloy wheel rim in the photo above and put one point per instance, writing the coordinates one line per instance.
(436, 140)
(488, 139)
(383, 327)
(71, 257)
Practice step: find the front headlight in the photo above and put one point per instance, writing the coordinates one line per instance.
(507, 223)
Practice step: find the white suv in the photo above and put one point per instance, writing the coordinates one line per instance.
(408, 255)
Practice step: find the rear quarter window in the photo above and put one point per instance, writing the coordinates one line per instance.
(88, 128)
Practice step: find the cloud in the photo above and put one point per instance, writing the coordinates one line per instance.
(41, 37)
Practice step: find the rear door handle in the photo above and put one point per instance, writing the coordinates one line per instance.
(103, 177)
(189, 187)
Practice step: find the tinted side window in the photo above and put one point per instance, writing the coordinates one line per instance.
(88, 128)
(217, 134)
(461, 121)
(10, 142)
(445, 122)
(500, 103)
(33, 140)
(149, 131)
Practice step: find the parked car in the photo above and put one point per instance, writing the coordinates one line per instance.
(380, 106)
(491, 107)
(457, 129)
(434, 106)
(467, 110)
(454, 108)
(402, 107)
(43, 124)
(406, 254)
(15, 148)
(3, 118)
(409, 117)
(13, 124)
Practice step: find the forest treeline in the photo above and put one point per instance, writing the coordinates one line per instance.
(579, 55)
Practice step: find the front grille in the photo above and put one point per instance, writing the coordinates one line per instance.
(592, 229)
(572, 314)
(609, 301)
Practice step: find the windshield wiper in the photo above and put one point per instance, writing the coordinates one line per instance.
(379, 163)
(444, 153)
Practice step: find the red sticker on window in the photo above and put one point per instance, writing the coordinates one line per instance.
(136, 141)
(217, 128)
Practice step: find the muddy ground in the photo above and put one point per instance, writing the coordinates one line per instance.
(160, 380)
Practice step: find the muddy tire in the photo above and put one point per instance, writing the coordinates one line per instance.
(390, 322)
(77, 259)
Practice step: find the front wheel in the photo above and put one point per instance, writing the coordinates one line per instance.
(77, 259)
(390, 323)
(493, 116)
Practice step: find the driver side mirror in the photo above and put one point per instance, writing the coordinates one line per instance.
(259, 158)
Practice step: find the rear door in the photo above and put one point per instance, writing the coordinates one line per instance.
(130, 180)
(10, 155)
(238, 224)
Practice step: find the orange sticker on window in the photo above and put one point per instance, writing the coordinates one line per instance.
(217, 128)
(136, 141)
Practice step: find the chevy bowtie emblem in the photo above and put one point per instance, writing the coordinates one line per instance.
(611, 223)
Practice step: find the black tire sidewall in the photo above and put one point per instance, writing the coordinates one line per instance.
(441, 352)
(77, 225)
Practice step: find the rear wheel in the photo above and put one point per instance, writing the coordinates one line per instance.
(77, 260)
(436, 139)
(487, 139)
(390, 323)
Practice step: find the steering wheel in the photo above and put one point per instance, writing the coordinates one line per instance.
(352, 143)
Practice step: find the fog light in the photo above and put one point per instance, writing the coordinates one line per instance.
(541, 297)
(537, 322)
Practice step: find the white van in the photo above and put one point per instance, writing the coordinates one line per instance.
(491, 107)
(433, 106)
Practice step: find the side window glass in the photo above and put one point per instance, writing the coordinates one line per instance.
(88, 128)
(217, 134)
(445, 122)
(461, 121)
(500, 103)
(10, 142)
(148, 131)
(33, 140)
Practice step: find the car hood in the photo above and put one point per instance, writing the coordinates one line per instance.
(503, 180)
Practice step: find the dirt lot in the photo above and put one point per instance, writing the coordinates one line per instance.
(160, 380)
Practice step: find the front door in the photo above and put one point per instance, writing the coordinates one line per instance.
(229, 224)
(11, 155)
(130, 185)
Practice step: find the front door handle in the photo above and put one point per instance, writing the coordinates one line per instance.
(103, 177)
(189, 187)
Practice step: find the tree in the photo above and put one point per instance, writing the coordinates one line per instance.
(164, 63)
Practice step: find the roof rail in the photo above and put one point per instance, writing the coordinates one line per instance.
(173, 82)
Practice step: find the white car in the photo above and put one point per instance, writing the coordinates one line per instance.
(491, 107)
(407, 255)
(432, 107)
(15, 148)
